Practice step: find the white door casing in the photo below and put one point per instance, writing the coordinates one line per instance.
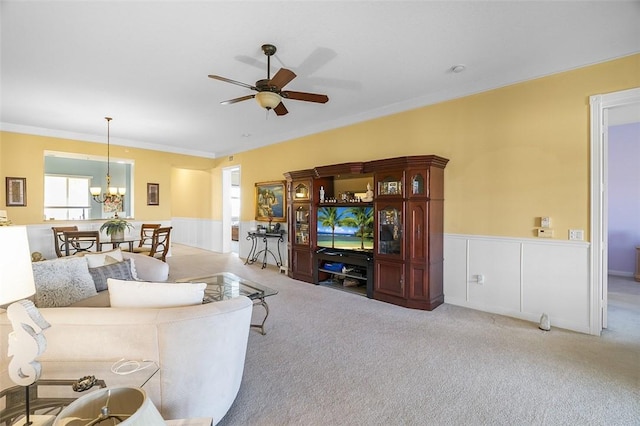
(600, 105)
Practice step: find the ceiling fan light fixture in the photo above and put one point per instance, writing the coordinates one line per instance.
(268, 100)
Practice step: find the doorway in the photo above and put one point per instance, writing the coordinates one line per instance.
(231, 209)
(601, 108)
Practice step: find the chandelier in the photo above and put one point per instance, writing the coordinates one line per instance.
(112, 194)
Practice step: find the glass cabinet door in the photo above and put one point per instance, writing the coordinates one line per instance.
(417, 184)
(390, 184)
(390, 230)
(302, 225)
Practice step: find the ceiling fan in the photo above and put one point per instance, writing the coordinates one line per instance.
(270, 93)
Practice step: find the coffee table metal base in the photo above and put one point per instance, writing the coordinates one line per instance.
(226, 285)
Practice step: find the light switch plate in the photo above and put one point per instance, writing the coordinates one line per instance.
(576, 235)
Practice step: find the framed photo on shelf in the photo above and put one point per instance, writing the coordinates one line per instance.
(153, 194)
(16, 191)
(271, 201)
(301, 192)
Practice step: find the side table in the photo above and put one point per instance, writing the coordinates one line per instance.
(254, 254)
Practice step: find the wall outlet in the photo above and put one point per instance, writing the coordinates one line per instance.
(576, 235)
(545, 233)
(545, 222)
(480, 279)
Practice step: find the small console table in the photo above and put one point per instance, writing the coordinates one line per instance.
(254, 253)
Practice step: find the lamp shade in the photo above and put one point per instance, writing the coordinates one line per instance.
(130, 406)
(268, 100)
(16, 274)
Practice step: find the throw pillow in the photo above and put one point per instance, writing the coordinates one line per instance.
(61, 282)
(104, 258)
(134, 272)
(139, 294)
(119, 270)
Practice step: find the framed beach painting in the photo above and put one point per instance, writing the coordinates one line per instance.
(271, 201)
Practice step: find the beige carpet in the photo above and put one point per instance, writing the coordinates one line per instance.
(335, 358)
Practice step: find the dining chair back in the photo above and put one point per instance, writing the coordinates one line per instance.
(59, 242)
(81, 241)
(146, 237)
(160, 243)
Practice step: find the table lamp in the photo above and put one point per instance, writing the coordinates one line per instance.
(117, 405)
(26, 341)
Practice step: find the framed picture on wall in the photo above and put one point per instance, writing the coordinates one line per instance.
(153, 194)
(16, 191)
(270, 201)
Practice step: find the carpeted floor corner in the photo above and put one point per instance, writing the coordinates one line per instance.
(336, 358)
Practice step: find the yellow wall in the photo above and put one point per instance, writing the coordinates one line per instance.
(192, 197)
(516, 153)
(23, 156)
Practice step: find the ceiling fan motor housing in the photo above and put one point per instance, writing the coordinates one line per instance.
(264, 86)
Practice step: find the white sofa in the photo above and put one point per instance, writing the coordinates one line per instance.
(200, 349)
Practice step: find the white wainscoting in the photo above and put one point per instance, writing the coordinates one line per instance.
(523, 278)
(207, 234)
(201, 233)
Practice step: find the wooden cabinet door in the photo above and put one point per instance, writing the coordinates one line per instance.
(301, 264)
(389, 278)
(417, 231)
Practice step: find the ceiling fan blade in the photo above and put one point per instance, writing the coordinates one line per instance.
(282, 77)
(235, 100)
(302, 96)
(280, 109)
(228, 80)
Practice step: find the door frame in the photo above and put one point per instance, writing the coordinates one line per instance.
(598, 283)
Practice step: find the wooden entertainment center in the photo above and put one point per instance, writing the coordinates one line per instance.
(395, 250)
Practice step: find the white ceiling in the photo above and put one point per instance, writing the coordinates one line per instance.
(67, 65)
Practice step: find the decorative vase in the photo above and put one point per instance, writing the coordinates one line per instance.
(117, 236)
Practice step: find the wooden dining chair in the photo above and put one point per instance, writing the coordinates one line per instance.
(146, 237)
(59, 242)
(81, 241)
(160, 243)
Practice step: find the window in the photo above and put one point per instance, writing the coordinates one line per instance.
(71, 200)
(66, 197)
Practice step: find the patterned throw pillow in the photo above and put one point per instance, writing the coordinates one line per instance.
(61, 282)
(119, 270)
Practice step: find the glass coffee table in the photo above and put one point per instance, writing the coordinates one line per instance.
(226, 285)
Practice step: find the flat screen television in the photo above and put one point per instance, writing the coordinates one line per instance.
(347, 228)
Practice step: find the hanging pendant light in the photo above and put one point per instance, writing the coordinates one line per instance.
(112, 194)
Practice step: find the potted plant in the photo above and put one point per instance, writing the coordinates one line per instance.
(115, 228)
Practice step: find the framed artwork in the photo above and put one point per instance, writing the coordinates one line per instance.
(270, 201)
(16, 191)
(153, 194)
(113, 204)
